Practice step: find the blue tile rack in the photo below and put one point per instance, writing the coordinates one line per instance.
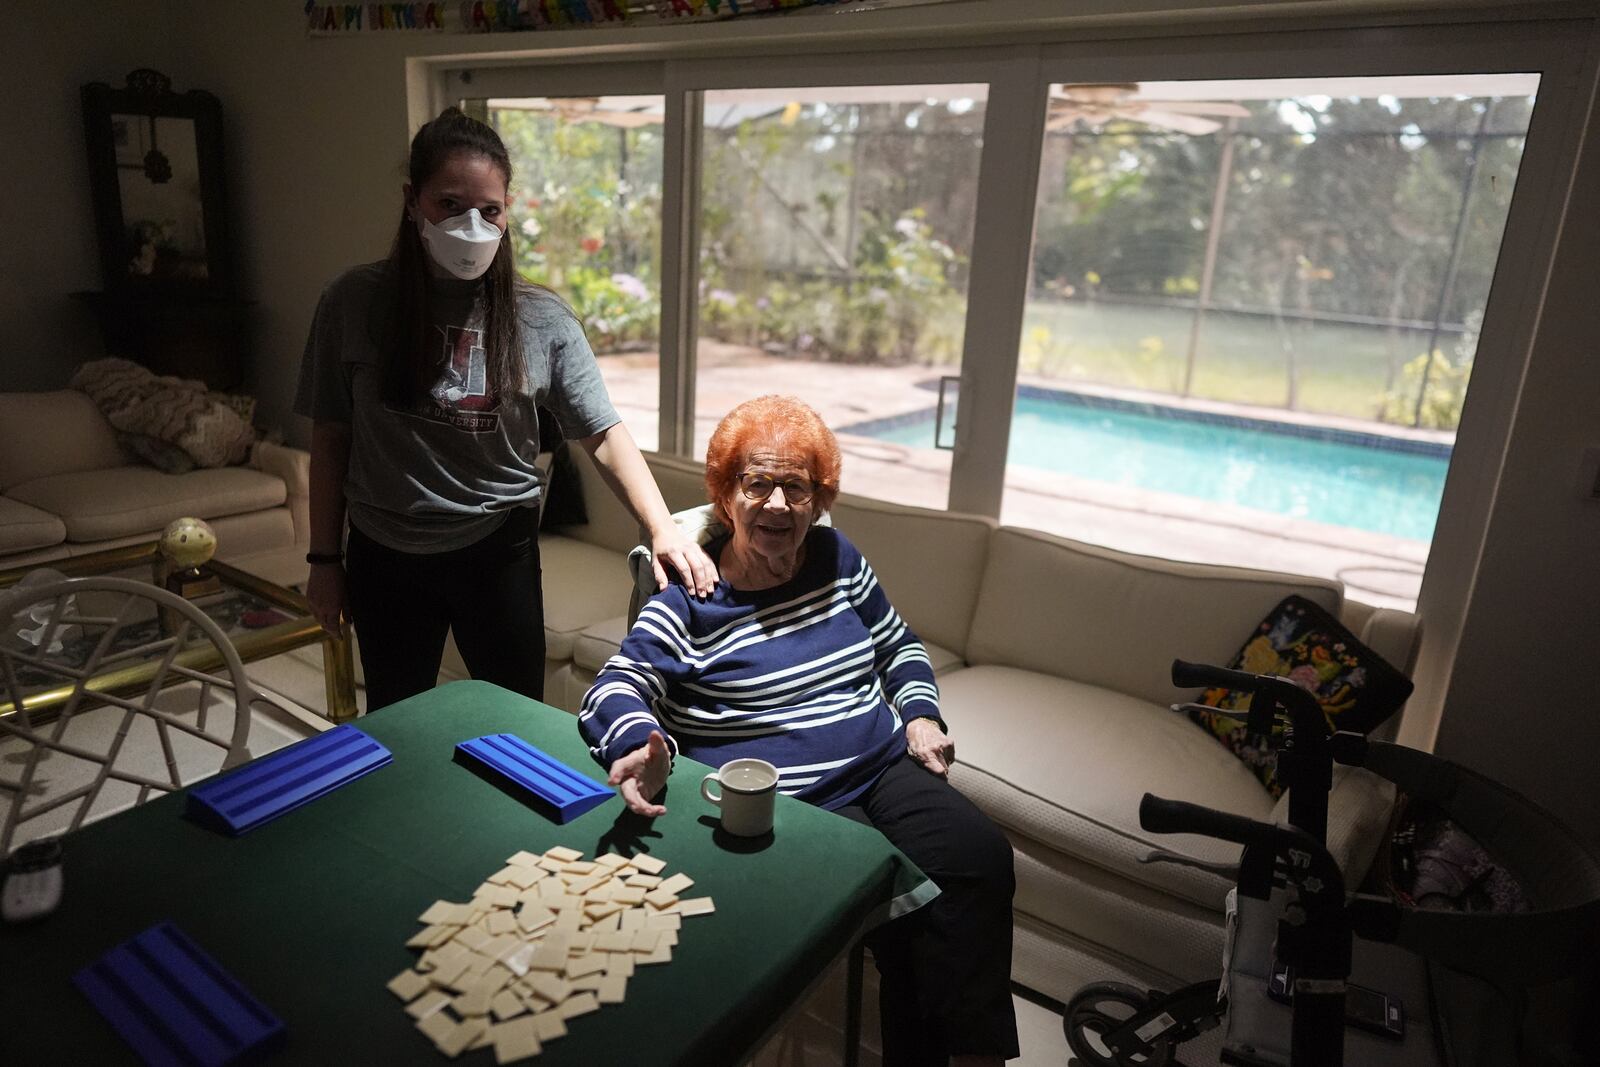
(170, 1000)
(262, 790)
(554, 786)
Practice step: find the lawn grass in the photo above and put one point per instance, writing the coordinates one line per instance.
(1343, 368)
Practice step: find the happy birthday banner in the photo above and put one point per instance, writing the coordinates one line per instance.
(512, 16)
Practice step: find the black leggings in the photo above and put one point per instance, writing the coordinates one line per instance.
(489, 594)
(945, 969)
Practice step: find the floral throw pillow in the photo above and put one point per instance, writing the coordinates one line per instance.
(1300, 641)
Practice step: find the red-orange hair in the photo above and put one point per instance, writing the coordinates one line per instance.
(781, 422)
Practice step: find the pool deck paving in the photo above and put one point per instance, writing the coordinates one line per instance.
(1375, 568)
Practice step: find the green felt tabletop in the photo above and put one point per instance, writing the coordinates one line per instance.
(311, 911)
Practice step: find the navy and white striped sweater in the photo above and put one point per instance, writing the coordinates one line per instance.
(817, 676)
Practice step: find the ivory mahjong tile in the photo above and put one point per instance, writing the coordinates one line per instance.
(695, 906)
(506, 1005)
(428, 936)
(551, 987)
(500, 877)
(534, 917)
(502, 896)
(472, 1004)
(613, 989)
(615, 941)
(550, 1025)
(437, 1026)
(445, 911)
(649, 864)
(518, 961)
(629, 895)
(551, 954)
(677, 883)
(515, 1040)
(660, 897)
(526, 877)
(579, 966)
(427, 1004)
(461, 1038)
(408, 985)
(662, 954)
(578, 1004)
(473, 937)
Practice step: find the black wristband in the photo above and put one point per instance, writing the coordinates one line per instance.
(324, 557)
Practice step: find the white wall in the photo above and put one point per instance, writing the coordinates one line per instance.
(48, 247)
(316, 133)
(1524, 698)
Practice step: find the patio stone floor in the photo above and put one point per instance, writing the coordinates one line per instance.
(1376, 569)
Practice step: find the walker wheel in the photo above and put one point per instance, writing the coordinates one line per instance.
(1100, 1008)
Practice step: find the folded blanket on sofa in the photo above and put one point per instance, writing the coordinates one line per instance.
(213, 428)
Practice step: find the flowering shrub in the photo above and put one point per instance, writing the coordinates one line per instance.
(615, 308)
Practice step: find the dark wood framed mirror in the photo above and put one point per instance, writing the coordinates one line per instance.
(156, 174)
(168, 299)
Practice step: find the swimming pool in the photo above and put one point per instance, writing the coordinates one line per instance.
(1365, 481)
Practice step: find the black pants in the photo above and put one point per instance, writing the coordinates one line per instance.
(945, 969)
(404, 603)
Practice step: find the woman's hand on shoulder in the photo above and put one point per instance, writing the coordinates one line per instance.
(641, 774)
(698, 572)
(930, 746)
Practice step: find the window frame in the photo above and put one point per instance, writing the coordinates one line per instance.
(1019, 74)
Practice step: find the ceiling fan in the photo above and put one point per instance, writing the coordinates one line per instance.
(1094, 104)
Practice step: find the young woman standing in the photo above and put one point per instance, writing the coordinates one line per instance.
(423, 376)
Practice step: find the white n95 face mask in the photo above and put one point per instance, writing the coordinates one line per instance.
(464, 245)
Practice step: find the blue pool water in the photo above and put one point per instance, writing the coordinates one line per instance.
(1332, 481)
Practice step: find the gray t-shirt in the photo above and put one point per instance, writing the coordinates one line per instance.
(444, 472)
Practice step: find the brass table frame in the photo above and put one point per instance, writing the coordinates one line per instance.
(301, 630)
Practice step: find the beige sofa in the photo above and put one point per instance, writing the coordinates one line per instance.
(67, 488)
(1052, 659)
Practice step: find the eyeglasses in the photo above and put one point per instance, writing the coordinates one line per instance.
(758, 487)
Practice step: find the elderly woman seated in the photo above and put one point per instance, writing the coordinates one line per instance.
(798, 658)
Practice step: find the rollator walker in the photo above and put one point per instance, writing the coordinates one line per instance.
(1291, 925)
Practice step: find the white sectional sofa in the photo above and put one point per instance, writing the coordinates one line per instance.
(67, 488)
(1053, 664)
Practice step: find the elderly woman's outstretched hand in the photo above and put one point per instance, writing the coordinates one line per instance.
(930, 746)
(640, 775)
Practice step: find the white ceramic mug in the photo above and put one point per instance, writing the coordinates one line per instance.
(749, 787)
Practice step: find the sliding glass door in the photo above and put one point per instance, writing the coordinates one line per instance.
(835, 234)
(1253, 312)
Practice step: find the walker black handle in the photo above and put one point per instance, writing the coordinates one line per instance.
(1161, 816)
(1186, 675)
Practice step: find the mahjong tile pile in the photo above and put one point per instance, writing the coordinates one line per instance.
(545, 939)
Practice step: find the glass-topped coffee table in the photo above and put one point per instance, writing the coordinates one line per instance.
(261, 619)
